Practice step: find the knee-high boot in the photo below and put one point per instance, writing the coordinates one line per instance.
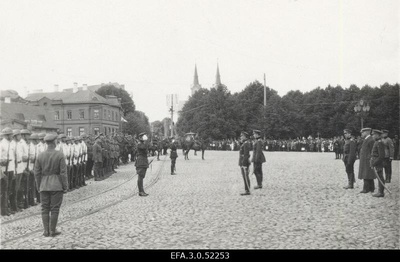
(350, 179)
(46, 220)
(53, 225)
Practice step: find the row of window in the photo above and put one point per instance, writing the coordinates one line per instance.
(96, 130)
(108, 114)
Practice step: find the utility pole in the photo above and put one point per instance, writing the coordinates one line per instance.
(265, 93)
(172, 115)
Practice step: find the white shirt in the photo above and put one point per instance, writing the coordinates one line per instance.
(84, 151)
(32, 155)
(7, 148)
(76, 153)
(21, 152)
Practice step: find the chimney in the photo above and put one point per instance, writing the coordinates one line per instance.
(84, 86)
(7, 100)
(75, 88)
(55, 88)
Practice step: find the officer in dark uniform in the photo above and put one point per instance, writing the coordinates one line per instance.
(52, 181)
(349, 157)
(258, 158)
(244, 161)
(89, 162)
(142, 163)
(97, 159)
(173, 155)
(377, 161)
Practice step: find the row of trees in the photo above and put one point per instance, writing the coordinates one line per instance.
(218, 114)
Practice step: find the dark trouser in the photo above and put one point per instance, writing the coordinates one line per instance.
(82, 173)
(173, 163)
(22, 193)
(246, 178)
(97, 170)
(379, 171)
(387, 165)
(70, 170)
(75, 169)
(350, 173)
(51, 203)
(141, 171)
(89, 166)
(12, 191)
(4, 193)
(258, 173)
(31, 188)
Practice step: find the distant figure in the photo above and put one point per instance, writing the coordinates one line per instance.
(244, 161)
(173, 155)
(258, 158)
(52, 181)
(349, 157)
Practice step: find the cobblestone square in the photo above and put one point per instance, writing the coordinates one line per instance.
(302, 205)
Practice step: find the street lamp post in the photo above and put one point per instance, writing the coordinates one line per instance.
(362, 108)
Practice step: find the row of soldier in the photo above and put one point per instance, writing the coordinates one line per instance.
(19, 150)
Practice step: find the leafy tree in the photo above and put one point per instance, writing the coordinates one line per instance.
(127, 104)
(137, 123)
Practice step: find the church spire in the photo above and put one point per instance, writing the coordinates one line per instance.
(196, 77)
(218, 77)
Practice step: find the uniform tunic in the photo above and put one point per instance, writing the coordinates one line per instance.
(365, 171)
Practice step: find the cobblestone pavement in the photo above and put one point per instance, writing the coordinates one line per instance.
(302, 206)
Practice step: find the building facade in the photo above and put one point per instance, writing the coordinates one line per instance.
(81, 112)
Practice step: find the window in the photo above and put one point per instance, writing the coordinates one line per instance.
(109, 115)
(69, 131)
(20, 116)
(96, 131)
(41, 117)
(113, 117)
(105, 130)
(105, 114)
(69, 114)
(96, 114)
(81, 130)
(81, 114)
(57, 115)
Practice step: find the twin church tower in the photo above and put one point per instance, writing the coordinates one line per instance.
(196, 85)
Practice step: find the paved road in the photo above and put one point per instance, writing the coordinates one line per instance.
(302, 206)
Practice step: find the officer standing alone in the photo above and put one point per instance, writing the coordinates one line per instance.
(258, 158)
(52, 181)
(142, 163)
(173, 155)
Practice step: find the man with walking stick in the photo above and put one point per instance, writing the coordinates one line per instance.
(377, 161)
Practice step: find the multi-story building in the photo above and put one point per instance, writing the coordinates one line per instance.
(82, 111)
(16, 114)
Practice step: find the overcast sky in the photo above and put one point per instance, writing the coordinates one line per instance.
(152, 46)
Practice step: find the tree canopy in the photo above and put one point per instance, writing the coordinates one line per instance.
(137, 123)
(127, 104)
(325, 112)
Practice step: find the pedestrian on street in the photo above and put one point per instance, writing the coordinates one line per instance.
(389, 155)
(365, 171)
(244, 161)
(142, 163)
(173, 155)
(52, 181)
(377, 161)
(349, 157)
(258, 158)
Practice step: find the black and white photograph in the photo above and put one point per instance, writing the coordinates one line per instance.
(199, 128)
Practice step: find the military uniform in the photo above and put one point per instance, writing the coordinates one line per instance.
(365, 171)
(244, 162)
(389, 155)
(52, 181)
(31, 179)
(349, 157)
(89, 162)
(142, 162)
(173, 155)
(377, 161)
(7, 148)
(98, 160)
(258, 159)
